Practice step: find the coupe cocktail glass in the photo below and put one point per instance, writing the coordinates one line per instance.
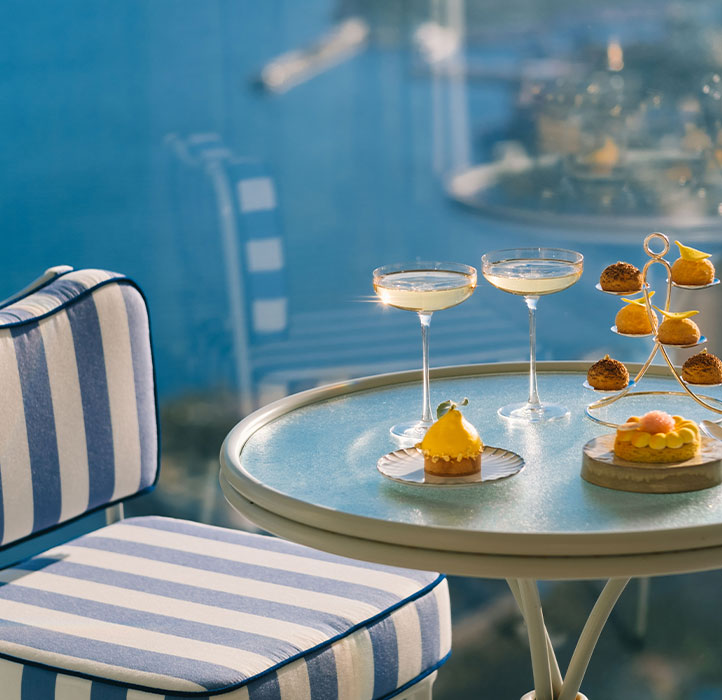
(531, 273)
(423, 287)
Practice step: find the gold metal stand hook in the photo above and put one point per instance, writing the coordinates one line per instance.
(653, 237)
(646, 287)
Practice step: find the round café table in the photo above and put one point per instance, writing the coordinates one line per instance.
(304, 468)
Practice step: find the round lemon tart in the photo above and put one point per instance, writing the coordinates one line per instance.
(657, 437)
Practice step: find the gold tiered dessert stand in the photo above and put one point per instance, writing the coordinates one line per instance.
(708, 402)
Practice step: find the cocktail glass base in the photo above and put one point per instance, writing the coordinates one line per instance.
(524, 412)
(409, 433)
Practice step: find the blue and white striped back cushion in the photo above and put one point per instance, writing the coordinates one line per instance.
(158, 609)
(78, 416)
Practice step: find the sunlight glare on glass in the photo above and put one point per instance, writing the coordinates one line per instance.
(371, 299)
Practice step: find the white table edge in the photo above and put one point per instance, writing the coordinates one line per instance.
(574, 546)
(476, 564)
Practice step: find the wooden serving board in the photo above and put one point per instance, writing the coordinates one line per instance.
(602, 467)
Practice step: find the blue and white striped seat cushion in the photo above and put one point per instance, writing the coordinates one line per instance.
(160, 609)
(77, 416)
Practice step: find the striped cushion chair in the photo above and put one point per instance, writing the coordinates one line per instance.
(154, 608)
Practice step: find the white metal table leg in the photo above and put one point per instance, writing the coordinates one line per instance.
(589, 636)
(532, 611)
(640, 626)
(556, 675)
(547, 677)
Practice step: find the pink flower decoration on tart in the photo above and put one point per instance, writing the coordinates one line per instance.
(656, 422)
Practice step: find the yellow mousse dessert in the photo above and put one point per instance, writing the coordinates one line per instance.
(451, 446)
(692, 268)
(657, 437)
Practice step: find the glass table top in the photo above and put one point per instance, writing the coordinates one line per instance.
(324, 455)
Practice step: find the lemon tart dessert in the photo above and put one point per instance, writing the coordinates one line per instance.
(657, 437)
(451, 446)
(693, 267)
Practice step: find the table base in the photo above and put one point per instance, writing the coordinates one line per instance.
(548, 681)
(531, 695)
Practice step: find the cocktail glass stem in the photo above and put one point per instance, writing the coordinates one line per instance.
(533, 404)
(422, 287)
(425, 319)
(532, 273)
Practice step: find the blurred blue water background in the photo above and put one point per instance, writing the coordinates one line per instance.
(91, 93)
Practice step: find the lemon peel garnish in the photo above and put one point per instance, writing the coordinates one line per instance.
(638, 302)
(688, 253)
(676, 314)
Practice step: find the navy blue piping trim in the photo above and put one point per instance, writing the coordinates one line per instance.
(211, 693)
(418, 678)
(70, 302)
(12, 301)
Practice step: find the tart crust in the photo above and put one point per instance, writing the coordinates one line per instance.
(438, 466)
(626, 450)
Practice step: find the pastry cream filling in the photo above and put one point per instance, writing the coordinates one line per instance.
(685, 431)
(451, 438)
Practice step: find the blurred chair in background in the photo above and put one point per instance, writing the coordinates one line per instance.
(276, 348)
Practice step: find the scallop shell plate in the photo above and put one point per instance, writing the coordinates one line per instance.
(407, 467)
